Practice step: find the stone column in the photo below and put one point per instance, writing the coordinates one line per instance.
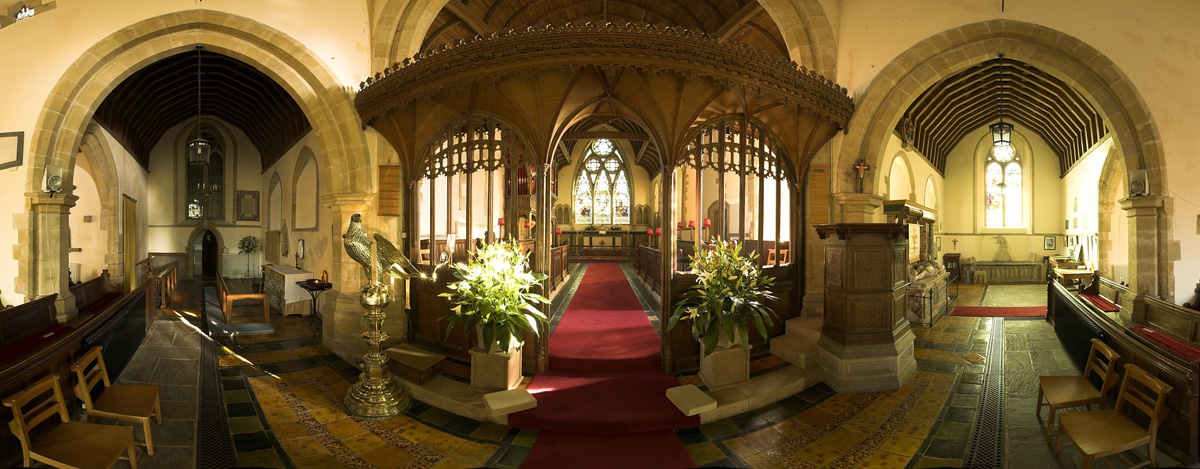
(1144, 213)
(866, 344)
(49, 240)
(857, 207)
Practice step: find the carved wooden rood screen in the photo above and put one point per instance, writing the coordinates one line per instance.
(460, 116)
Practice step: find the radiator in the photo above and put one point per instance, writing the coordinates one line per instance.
(1120, 273)
(121, 335)
(1074, 328)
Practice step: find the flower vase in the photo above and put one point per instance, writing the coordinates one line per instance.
(727, 366)
(493, 369)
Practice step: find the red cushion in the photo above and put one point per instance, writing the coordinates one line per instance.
(20, 349)
(1178, 348)
(1101, 303)
(99, 305)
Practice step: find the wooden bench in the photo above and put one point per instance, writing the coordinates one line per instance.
(1113, 292)
(1180, 322)
(226, 300)
(94, 295)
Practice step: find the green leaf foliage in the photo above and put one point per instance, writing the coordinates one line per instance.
(495, 291)
(728, 296)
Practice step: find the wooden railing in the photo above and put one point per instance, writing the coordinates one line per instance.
(56, 357)
(1181, 429)
(648, 263)
(165, 280)
(558, 264)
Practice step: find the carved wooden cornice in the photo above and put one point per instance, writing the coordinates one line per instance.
(610, 47)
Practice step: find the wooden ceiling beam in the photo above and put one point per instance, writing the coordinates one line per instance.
(737, 19)
(469, 17)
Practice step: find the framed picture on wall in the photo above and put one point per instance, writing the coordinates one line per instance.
(12, 146)
(247, 205)
(1048, 243)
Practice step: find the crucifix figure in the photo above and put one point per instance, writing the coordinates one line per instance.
(862, 167)
(955, 241)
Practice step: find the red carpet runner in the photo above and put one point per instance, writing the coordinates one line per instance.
(603, 403)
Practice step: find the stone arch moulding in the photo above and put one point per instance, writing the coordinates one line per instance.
(1075, 62)
(85, 84)
(807, 33)
(306, 158)
(1112, 177)
(108, 184)
(906, 168)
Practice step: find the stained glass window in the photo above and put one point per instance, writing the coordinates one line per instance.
(1003, 190)
(602, 190)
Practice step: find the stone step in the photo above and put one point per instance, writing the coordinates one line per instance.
(806, 329)
(798, 352)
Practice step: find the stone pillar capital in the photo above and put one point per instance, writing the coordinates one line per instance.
(1142, 206)
(47, 202)
(857, 207)
(348, 201)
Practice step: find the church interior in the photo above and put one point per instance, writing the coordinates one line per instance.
(243, 232)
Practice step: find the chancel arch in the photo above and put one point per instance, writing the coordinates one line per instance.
(1068, 60)
(87, 83)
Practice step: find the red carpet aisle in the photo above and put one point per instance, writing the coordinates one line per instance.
(603, 403)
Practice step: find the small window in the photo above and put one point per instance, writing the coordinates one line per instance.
(1003, 188)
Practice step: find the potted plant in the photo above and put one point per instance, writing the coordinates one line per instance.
(727, 299)
(493, 295)
(248, 246)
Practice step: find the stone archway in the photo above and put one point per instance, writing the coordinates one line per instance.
(1135, 133)
(85, 84)
(942, 55)
(189, 263)
(108, 184)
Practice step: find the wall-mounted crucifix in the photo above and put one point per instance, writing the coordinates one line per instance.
(955, 241)
(862, 167)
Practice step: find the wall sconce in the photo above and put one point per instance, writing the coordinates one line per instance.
(707, 222)
(500, 221)
(692, 224)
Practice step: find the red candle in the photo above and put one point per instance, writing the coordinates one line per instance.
(679, 225)
(558, 231)
(649, 231)
(658, 230)
(691, 223)
(527, 224)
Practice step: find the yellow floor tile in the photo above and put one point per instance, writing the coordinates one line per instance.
(276, 415)
(414, 431)
(301, 448)
(762, 461)
(474, 454)
(901, 444)
(324, 461)
(793, 427)
(287, 431)
(387, 457)
(818, 453)
(843, 439)
(363, 443)
(765, 439)
(343, 428)
(704, 453)
(442, 443)
(740, 447)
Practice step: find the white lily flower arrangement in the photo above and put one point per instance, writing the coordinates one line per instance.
(494, 291)
(728, 297)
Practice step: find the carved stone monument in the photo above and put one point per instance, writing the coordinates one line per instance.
(866, 344)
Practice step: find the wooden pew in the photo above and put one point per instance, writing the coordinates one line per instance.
(56, 355)
(226, 300)
(1181, 429)
(1116, 293)
(94, 295)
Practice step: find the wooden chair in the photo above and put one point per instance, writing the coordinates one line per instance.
(134, 404)
(1077, 391)
(1102, 433)
(70, 444)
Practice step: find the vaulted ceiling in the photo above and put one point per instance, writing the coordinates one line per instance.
(741, 20)
(1035, 101)
(142, 108)
(583, 132)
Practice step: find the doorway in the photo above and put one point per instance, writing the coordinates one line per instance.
(208, 258)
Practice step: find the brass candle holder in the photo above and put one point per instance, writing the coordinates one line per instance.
(375, 395)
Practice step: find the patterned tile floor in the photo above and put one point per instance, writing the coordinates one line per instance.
(283, 397)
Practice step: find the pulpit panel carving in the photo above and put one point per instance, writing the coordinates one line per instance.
(833, 268)
(870, 268)
(870, 317)
(899, 265)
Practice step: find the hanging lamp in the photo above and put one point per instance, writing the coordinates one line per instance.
(1002, 132)
(200, 149)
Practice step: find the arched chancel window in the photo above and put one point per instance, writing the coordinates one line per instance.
(1002, 188)
(602, 188)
